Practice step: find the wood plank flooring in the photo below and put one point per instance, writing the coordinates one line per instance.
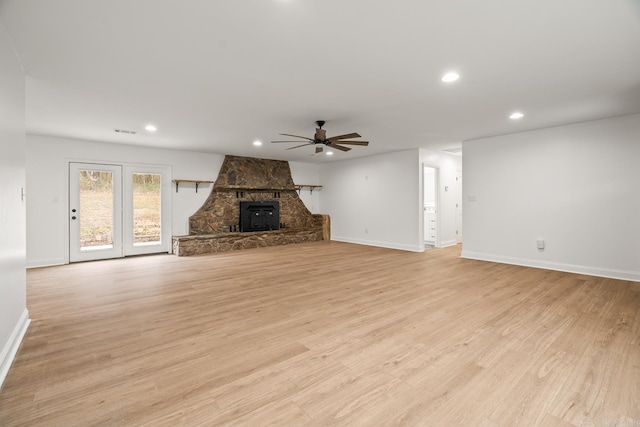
(324, 334)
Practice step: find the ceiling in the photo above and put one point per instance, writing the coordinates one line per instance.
(214, 76)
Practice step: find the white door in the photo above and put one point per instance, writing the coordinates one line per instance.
(95, 211)
(147, 203)
(114, 213)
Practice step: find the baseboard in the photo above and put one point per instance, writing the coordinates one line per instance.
(11, 347)
(633, 276)
(46, 262)
(379, 244)
(448, 243)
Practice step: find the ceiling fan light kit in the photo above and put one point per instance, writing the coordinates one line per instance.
(320, 139)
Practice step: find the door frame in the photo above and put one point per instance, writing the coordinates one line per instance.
(437, 203)
(459, 206)
(166, 189)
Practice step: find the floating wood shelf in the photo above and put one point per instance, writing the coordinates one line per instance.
(310, 187)
(197, 182)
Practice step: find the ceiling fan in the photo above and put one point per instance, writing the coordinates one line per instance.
(320, 139)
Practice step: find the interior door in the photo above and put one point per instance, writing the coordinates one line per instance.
(95, 211)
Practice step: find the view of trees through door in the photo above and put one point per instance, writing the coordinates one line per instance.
(147, 208)
(96, 195)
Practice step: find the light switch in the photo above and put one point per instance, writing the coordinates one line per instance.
(540, 244)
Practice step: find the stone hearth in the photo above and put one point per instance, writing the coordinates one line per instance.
(214, 227)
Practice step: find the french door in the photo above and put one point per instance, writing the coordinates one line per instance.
(117, 210)
(95, 212)
(147, 207)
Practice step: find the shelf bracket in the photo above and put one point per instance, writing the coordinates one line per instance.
(197, 182)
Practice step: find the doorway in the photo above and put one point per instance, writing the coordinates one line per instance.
(118, 210)
(430, 207)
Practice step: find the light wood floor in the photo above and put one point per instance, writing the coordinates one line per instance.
(324, 333)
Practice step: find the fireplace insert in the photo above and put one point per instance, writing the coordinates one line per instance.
(259, 216)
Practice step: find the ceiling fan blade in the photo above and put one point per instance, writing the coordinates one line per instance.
(346, 136)
(297, 146)
(298, 136)
(364, 143)
(338, 147)
(318, 149)
(277, 142)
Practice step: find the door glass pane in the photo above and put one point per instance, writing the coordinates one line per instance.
(146, 208)
(96, 210)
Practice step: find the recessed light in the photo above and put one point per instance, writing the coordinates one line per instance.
(150, 128)
(257, 143)
(329, 153)
(450, 77)
(516, 115)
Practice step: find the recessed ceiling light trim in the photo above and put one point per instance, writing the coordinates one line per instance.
(516, 115)
(150, 128)
(257, 143)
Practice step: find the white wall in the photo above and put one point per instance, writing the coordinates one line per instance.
(14, 317)
(429, 191)
(447, 165)
(577, 187)
(47, 183)
(375, 200)
(307, 174)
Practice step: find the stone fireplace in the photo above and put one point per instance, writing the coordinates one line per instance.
(258, 183)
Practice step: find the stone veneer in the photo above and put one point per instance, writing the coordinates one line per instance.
(214, 227)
